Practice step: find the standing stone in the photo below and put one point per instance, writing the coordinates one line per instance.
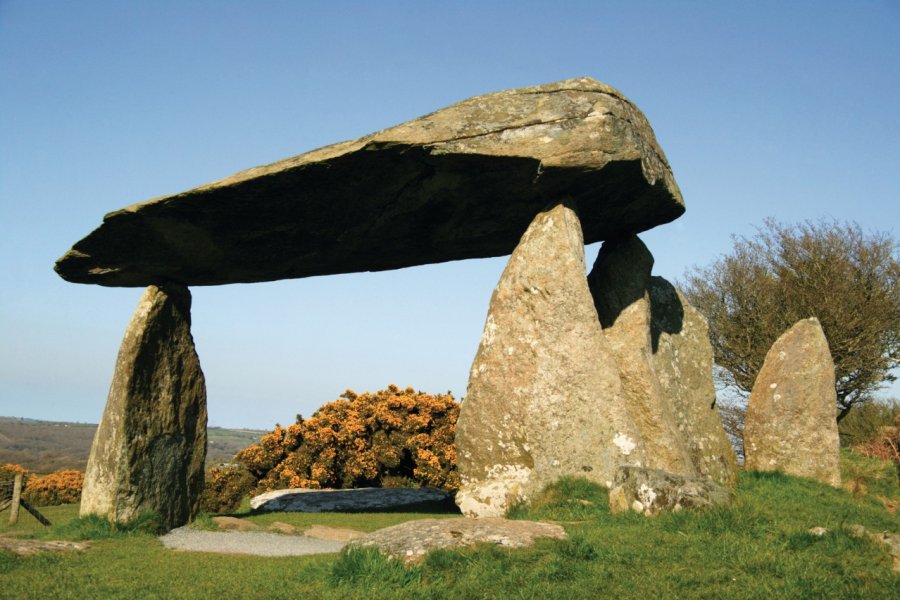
(683, 361)
(790, 424)
(544, 397)
(619, 282)
(149, 449)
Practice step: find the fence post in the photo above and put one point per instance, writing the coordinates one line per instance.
(17, 495)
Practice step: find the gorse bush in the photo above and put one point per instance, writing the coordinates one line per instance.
(392, 437)
(225, 487)
(61, 487)
(9, 471)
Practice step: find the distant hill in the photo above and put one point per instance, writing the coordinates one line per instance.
(45, 446)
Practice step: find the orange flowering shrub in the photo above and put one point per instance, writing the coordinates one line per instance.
(392, 437)
(60, 487)
(9, 471)
(225, 487)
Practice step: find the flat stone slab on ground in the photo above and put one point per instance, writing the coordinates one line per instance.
(247, 542)
(337, 534)
(360, 499)
(411, 541)
(32, 547)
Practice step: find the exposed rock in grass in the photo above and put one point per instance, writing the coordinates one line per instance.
(283, 528)
(411, 541)
(337, 534)
(891, 541)
(651, 491)
(31, 547)
(235, 524)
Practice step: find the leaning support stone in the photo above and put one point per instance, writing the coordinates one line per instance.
(683, 362)
(790, 424)
(544, 398)
(619, 283)
(149, 449)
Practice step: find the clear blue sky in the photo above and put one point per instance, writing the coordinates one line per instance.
(781, 109)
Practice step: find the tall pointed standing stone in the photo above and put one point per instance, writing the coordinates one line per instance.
(149, 449)
(791, 424)
(683, 362)
(544, 398)
(619, 282)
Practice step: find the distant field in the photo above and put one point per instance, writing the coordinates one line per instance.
(45, 446)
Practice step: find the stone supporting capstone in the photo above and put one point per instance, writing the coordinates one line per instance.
(619, 283)
(683, 363)
(544, 398)
(149, 450)
(791, 423)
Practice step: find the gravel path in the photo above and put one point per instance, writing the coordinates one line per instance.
(247, 542)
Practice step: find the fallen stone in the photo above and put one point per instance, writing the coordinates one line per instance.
(818, 531)
(258, 543)
(149, 449)
(619, 284)
(22, 547)
(462, 182)
(234, 524)
(360, 499)
(683, 364)
(651, 491)
(891, 542)
(336, 534)
(544, 397)
(790, 424)
(411, 541)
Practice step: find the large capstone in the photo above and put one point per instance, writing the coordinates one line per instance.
(683, 363)
(149, 449)
(620, 283)
(544, 397)
(790, 424)
(462, 182)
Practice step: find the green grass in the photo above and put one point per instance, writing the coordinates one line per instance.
(758, 548)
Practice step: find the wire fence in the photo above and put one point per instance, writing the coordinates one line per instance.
(11, 497)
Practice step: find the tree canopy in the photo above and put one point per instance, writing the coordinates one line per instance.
(836, 272)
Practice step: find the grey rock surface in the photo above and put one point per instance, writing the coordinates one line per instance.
(683, 364)
(619, 283)
(411, 541)
(791, 423)
(247, 542)
(149, 449)
(26, 547)
(544, 397)
(652, 491)
(462, 182)
(890, 542)
(359, 499)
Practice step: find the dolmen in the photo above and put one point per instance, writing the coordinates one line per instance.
(574, 375)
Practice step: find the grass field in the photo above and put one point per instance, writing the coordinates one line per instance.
(758, 548)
